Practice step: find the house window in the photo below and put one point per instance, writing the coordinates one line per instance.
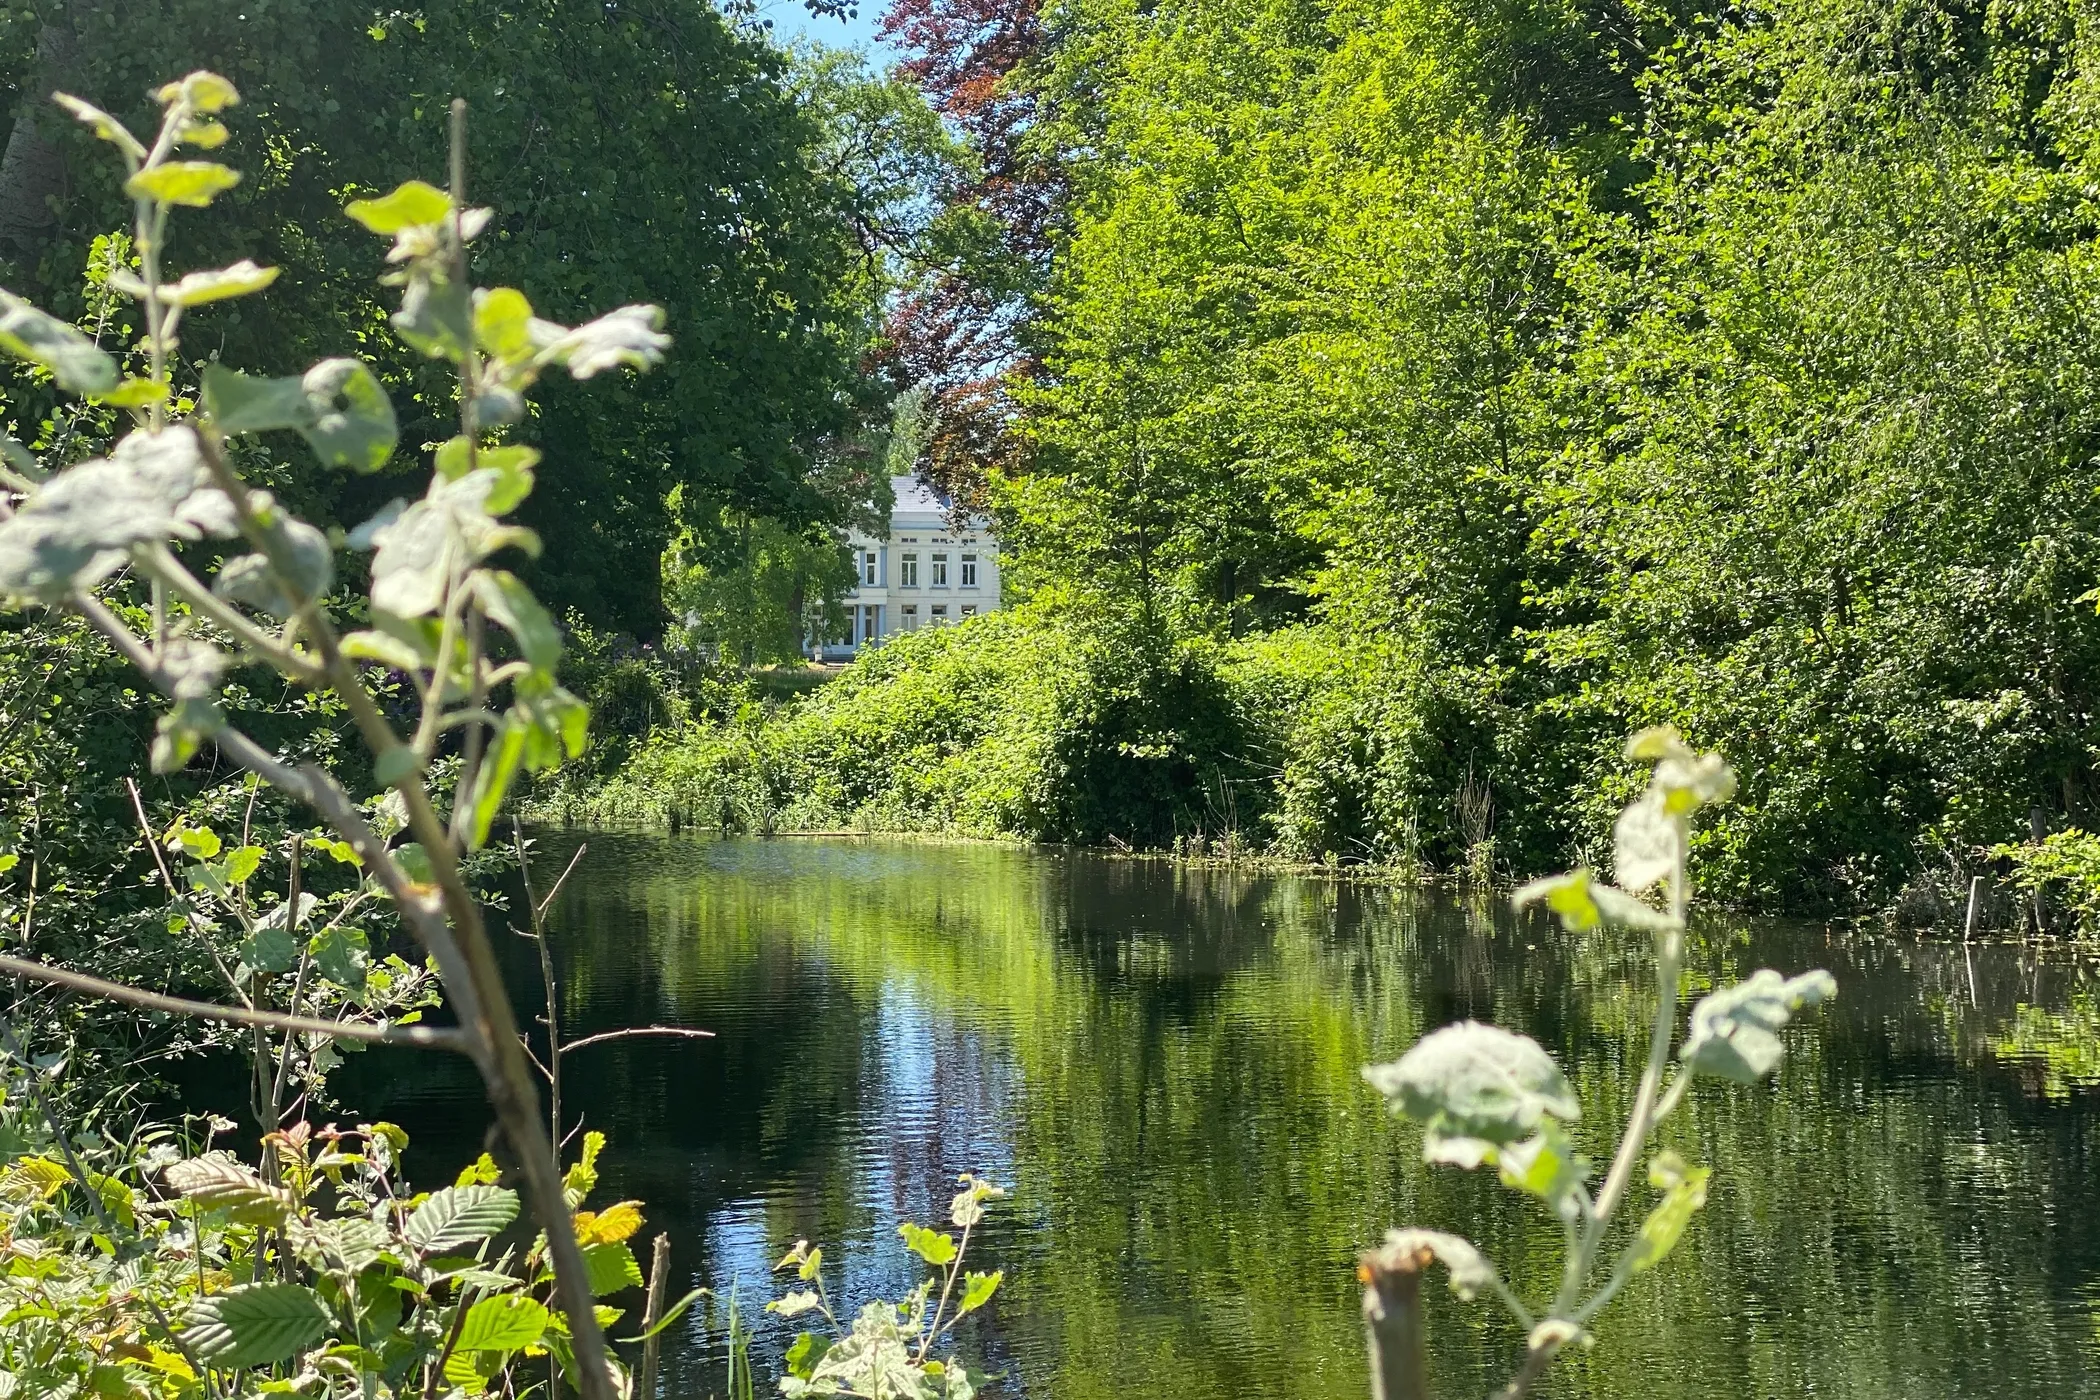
(969, 610)
(870, 623)
(969, 571)
(940, 614)
(911, 617)
(867, 568)
(940, 571)
(908, 571)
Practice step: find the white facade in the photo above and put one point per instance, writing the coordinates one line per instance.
(926, 574)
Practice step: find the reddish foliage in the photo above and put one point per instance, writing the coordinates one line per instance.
(961, 330)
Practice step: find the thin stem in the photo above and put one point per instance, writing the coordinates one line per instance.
(306, 962)
(430, 1037)
(636, 1031)
(538, 906)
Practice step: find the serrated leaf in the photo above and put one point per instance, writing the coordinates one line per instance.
(191, 183)
(270, 950)
(216, 1181)
(935, 1248)
(255, 1324)
(609, 1226)
(346, 1245)
(503, 1324)
(460, 1215)
(611, 1266)
(1733, 1034)
(1474, 1088)
(73, 359)
(412, 202)
(341, 954)
(803, 1356)
(241, 864)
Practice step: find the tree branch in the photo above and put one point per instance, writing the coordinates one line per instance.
(429, 1037)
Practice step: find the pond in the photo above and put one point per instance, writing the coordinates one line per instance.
(1162, 1065)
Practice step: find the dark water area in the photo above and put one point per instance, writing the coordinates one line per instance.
(1162, 1065)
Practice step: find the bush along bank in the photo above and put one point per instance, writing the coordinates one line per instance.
(1293, 746)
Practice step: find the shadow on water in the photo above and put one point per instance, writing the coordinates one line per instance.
(1163, 1065)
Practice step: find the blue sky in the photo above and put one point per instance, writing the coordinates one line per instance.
(791, 19)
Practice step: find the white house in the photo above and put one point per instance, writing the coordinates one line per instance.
(926, 574)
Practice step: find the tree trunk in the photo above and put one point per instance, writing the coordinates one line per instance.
(33, 167)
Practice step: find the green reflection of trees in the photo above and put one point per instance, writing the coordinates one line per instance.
(1170, 1058)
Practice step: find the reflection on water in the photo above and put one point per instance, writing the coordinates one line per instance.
(1162, 1064)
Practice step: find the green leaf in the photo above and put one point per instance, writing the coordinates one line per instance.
(611, 1266)
(1474, 1088)
(503, 324)
(435, 316)
(978, 1290)
(386, 649)
(935, 1248)
(492, 780)
(804, 1356)
(193, 183)
(247, 403)
(197, 842)
(1545, 1165)
(345, 1246)
(1685, 1193)
(353, 420)
(202, 91)
(341, 954)
(671, 1315)
(200, 288)
(134, 393)
(255, 1324)
(270, 950)
(217, 1182)
(73, 359)
(460, 1215)
(796, 1303)
(504, 597)
(78, 525)
(582, 1176)
(395, 765)
(103, 124)
(503, 1324)
(1583, 904)
(411, 203)
(557, 722)
(1733, 1030)
(241, 864)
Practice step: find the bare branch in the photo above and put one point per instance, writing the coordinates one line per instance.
(431, 1037)
(636, 1031)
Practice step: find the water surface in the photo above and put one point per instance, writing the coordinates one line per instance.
(1162, 1065)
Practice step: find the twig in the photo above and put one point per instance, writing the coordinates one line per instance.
(431, 1037)
(652, 1313)
(538, 906)
(635, 1031)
